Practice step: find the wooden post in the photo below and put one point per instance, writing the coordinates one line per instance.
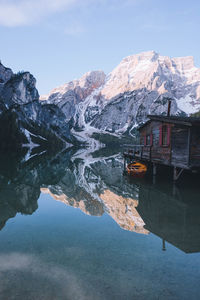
(169, 108)
(150, 153)
(141, 154)
(189, 142)
(174, 189)
(174, 174)
(154, 173)
(154, 169)
(163, 245)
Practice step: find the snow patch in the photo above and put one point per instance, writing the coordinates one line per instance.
(30, 144)
(187, 105)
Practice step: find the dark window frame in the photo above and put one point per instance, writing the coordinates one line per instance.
(165, 135)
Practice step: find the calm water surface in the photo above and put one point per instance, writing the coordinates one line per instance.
(73, 227)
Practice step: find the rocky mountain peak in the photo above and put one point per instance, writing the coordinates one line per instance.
(83, 87)
(92, 78)
(134, 72)
(148, 55)
(5, 74)
(20, 89)
(151, 71)
(184, 63)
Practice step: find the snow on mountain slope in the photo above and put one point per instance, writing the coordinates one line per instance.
(141, 84)
(70, 95)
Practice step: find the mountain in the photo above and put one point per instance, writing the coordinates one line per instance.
(97, 106)
(26, 122)
(140, 85)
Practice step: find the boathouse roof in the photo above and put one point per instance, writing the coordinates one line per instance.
(187, 121)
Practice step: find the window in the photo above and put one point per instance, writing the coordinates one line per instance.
(165, 135)
(148, 139)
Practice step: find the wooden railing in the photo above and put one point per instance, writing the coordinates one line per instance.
(138, 151)
(149, 153)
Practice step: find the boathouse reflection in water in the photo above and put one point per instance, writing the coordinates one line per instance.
(173, 215)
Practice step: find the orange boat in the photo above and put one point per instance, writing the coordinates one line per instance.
(136, 169)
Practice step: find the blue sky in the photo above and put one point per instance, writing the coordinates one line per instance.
(59, 40)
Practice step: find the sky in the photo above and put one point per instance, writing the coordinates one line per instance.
(60, 40)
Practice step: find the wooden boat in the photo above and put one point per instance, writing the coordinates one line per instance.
(136, 169)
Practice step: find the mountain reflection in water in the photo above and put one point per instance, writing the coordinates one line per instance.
(97, 186)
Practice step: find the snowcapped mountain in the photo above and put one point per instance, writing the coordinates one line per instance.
(114, 104)
(140, 85)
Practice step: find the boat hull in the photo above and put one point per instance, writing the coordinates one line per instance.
(136, 169)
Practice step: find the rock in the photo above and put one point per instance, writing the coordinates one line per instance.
(19, 89)
(25, 121)
(69, 95)
(5, 74)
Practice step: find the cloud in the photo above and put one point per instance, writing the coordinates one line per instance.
(27, 275)
(26, 12)
(15, 13)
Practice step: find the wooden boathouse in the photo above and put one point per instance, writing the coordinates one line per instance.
(168, 140)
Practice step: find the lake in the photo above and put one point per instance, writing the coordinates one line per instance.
(73, 226)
